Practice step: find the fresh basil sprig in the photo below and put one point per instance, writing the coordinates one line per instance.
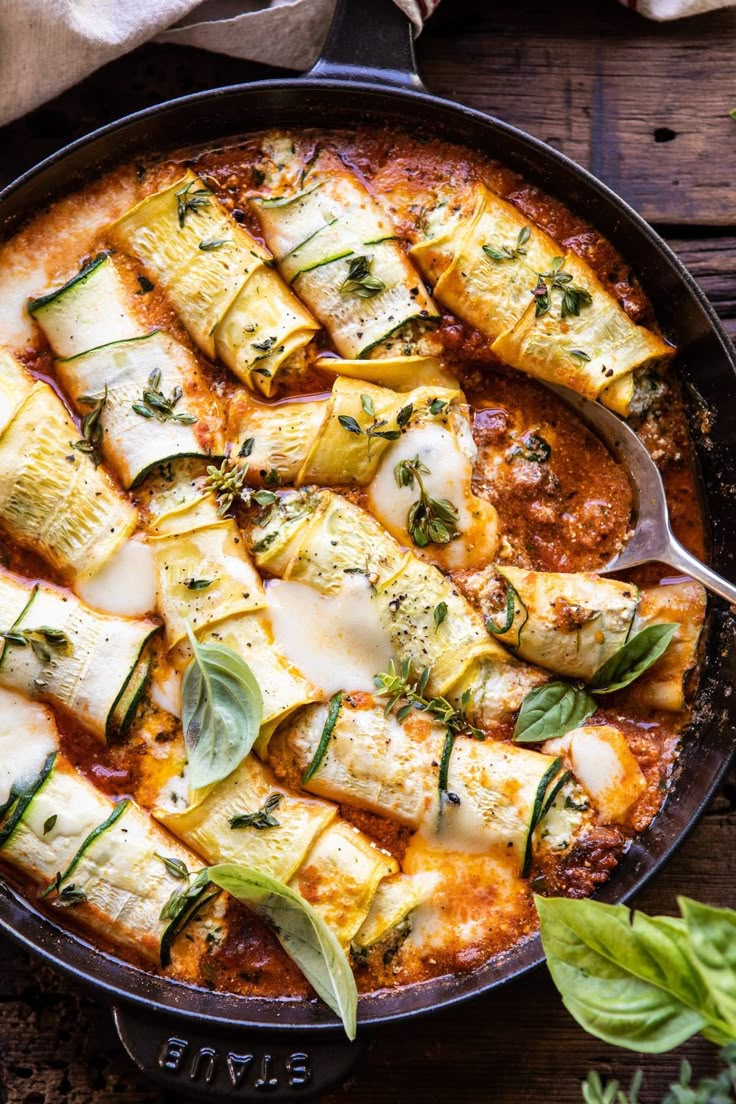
(552, 710)
(301, 932)
(646, 983)
(559, 707)
(222, 709)
(633, 658)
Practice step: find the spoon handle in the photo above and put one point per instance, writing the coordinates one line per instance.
(679, 557)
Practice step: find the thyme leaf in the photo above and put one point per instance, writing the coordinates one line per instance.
(154, 404)
(226, 483)
(572, 298)
(398, 685)
(377, 427)
(506, 253)
(262, 818)
(209, 244)
(189, 202)
(43, 641)
(360, 280)
(91, 427)
(177, 868)
(430, 520)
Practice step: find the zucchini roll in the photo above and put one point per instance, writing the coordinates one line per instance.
(218, 279)
(338, 250)
(500, 793)
(320, 539)
(542, 307)
(147, 392)
(100, 861)
(603, 763)
(572, 623)
(205, 577)
(53, 499)
(299, 841)
(58, 650)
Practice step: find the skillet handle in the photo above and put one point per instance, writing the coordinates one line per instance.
(369, 40)
(200, 1062)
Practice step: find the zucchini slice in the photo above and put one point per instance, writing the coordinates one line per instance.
(548, 346)
(340, 876)
(21, 759)
(371, 760)
(663, 685)
(15, 386)
(87, 669)
(493, 258)
(396, 898)
(338, 249)
(279, 436)
(144, 422)
(402, 373)
(204, 576)
(278, 851)
(90, 310)
(217, 278)
(572, 623)
(264, 325)
(604, 765)
(53, 499)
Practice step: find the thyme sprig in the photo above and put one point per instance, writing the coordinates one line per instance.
(91, 427)
(43, 641)
(154, 404)
(398, 684)
(573, 298)
(504, 252)
(262, 818)
(431, 520)
(228, 483)
(189, 202)
(377, 426)
(360, 280)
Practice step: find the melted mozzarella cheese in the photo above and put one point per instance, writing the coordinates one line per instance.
(27, 735)
(449, 456)
(126, 585)
(337, 641)
(166, 689)
(604, 765)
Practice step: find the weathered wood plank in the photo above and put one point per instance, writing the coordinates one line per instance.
(644, 105)
(712, 261)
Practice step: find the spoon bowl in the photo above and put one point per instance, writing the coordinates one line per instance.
(652, 538)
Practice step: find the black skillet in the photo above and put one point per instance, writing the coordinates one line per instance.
(218, 1046)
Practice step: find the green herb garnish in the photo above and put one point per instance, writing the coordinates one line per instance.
(504, 253)
(261, 818)
(399, 685)
(533, 447)
(198, 584)
(360, 280)
(226, 483)
(333, 711)
(49, 823)
(69, 896)
(377, 427)
(43, 641)
(214, 243)
(154, 404)
(440, 614)
(91, 427)
(430, 520)
(572, 298)
(222, 709)
(189, 202)
(177, 868)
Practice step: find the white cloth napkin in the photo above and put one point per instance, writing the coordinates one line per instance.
(675, 9)
(48, 45)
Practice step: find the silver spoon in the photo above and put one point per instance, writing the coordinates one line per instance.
(652, 538)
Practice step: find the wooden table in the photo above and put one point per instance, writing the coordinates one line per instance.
(646, 107)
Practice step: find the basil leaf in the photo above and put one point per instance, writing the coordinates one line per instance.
(625, 977)
(712, 933)
(552, 710)
(222, 709)
(633, 659)
(301, 932)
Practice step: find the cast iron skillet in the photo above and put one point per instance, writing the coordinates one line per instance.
(219, 1046)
